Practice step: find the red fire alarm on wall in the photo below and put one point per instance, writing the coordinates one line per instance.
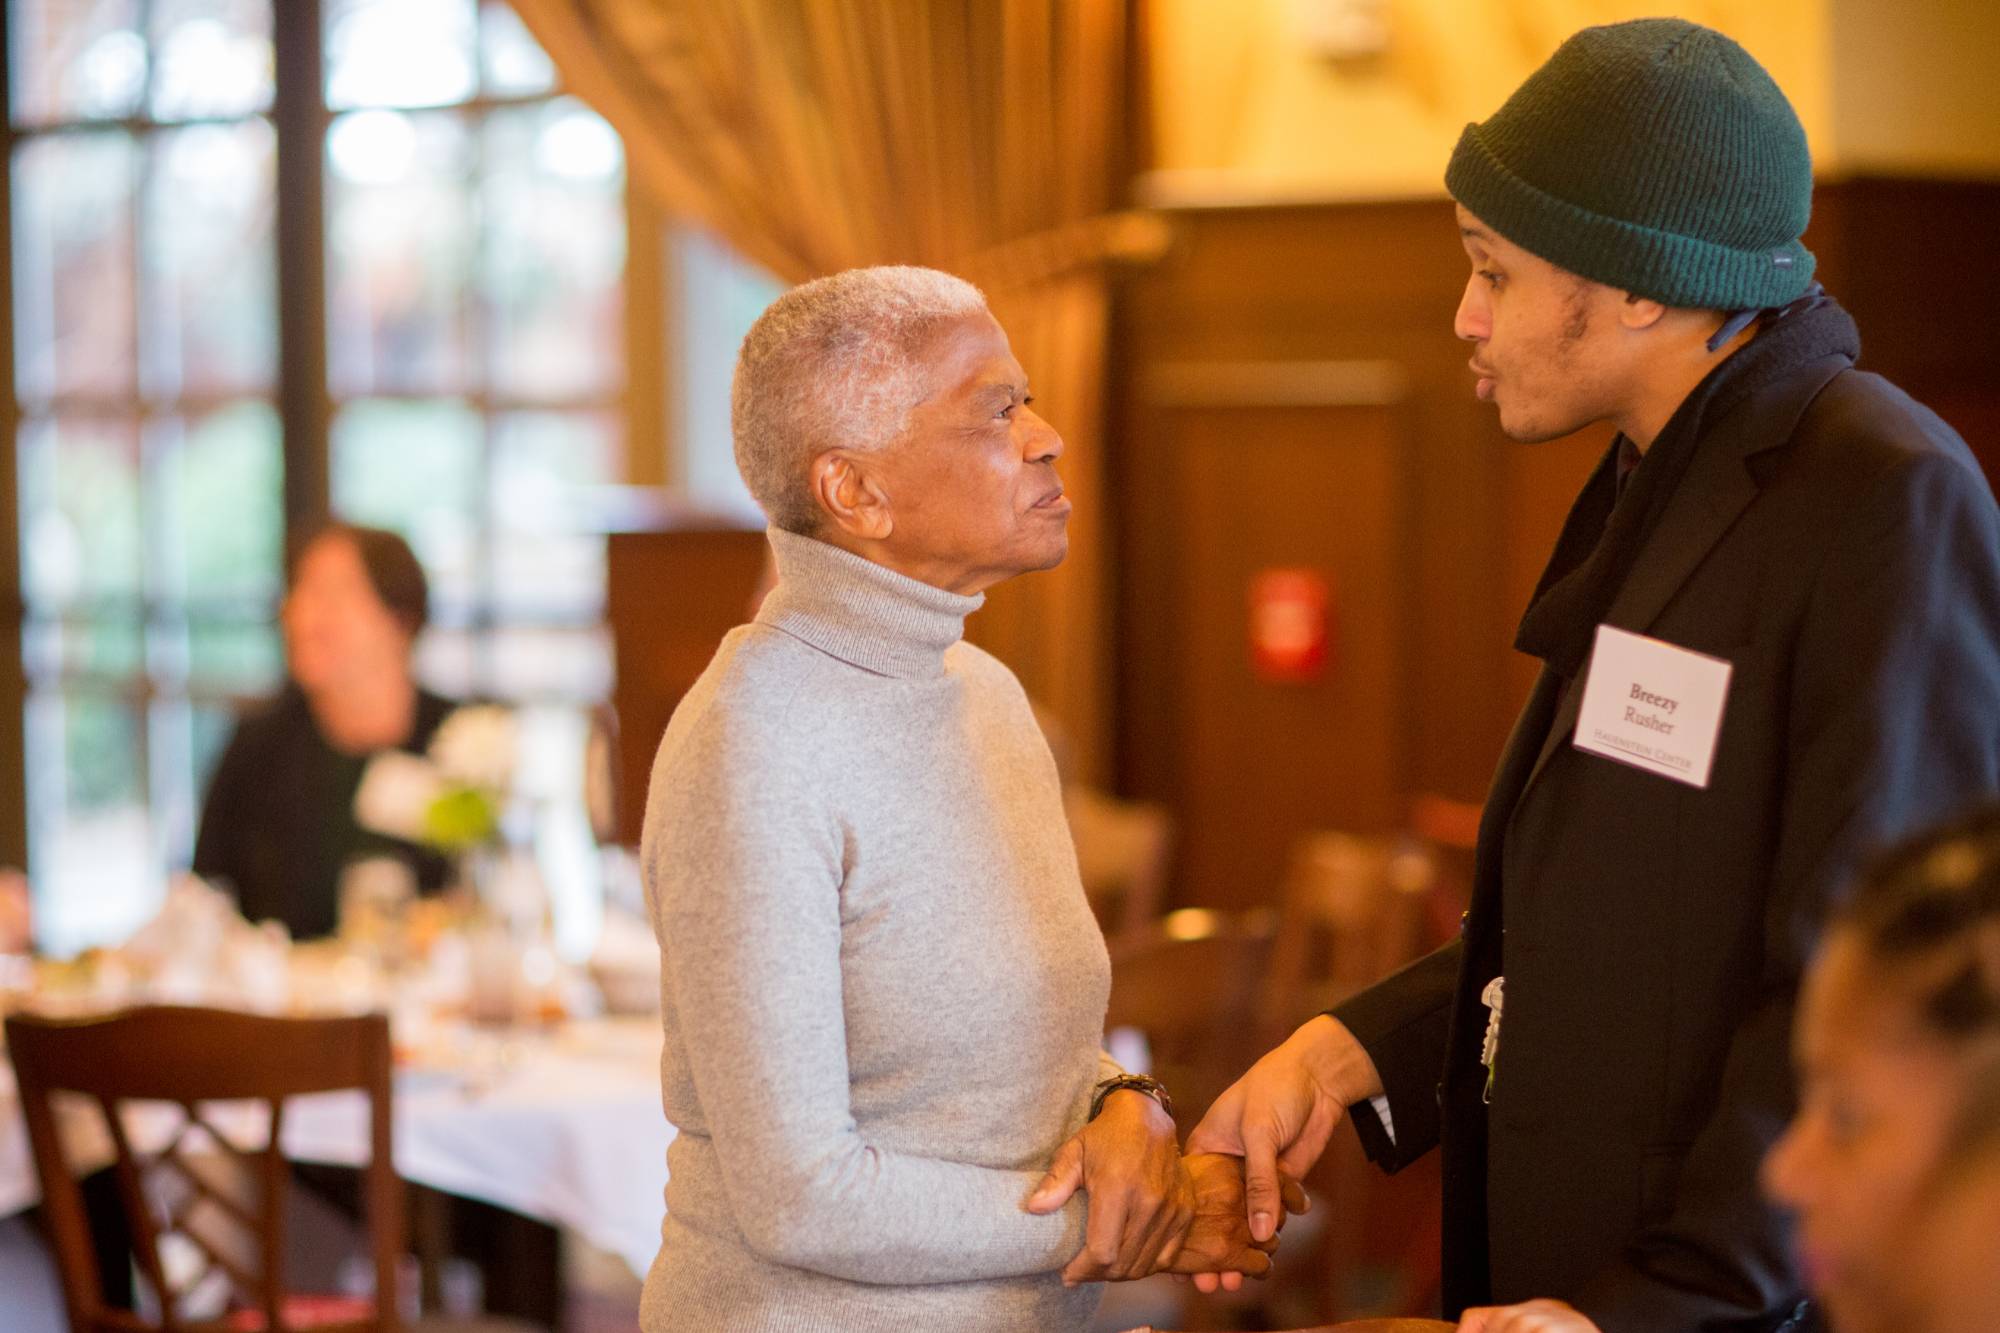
(1290, 625)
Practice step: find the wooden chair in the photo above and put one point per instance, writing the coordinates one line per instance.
(1122, 850)
(1352, 909)
(1189, 983)
(191, 1058)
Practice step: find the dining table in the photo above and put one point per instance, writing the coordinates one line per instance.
(556, 1117)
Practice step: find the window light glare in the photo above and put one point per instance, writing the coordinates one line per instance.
(111, 73)
(578, 146)
(372, 147)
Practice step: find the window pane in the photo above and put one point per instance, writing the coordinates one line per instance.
(447, 662)
(399, 52)
(74, 59)
(81, 538)
(550, 664)
(210, 313)
(415, 467)
(721, 295)
(187, 740)
(220, 517)
(96, 868)
(555, 251)
(546, 560)
(401, 241)
(105, 648)
(210, 58)
(514, 63)
(73, 264)
(229, 658)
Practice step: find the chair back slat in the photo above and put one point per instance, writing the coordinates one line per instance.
(189, 1059)
(132, 1192)
(173, 1053)
(273, 1236)
(1352, 910)
(1189, 983)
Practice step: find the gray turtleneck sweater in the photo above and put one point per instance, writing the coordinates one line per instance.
(883, 989)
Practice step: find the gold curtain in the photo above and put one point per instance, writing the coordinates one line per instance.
(980, 136)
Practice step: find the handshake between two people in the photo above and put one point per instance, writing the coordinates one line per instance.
(1213, 1214)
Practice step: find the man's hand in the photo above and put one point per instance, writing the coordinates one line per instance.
(1531, 1317)
(1219, 1241)
(1129, 1161)
(1280, 1114)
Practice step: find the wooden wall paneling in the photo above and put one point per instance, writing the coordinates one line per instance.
(1319, 486)
(1379, 282)
(670, 598)
(1907, 257)
(1302, 284)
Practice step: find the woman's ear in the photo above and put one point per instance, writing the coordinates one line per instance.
(851, 496)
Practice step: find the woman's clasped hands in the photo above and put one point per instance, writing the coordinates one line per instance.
(1151, 1210)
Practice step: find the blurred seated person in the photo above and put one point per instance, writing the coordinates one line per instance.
(1892, 1162)
(278, 826)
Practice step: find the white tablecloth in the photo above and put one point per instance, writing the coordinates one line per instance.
(567, 1128)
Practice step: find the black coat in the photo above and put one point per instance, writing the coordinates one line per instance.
(1836, 542)
(278, 827)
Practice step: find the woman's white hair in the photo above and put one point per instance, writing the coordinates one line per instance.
(836, 363)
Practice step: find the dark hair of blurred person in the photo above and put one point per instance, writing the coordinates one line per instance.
(1892, 1163)
(278, 825)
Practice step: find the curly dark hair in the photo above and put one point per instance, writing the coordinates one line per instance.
(1928, 912)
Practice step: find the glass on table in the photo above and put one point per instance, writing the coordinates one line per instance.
(374, 894)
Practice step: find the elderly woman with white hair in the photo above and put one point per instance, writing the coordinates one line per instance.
(883, 990)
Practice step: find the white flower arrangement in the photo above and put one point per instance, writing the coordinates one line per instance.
(452, 796)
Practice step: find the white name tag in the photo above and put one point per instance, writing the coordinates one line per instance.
(1652, 705)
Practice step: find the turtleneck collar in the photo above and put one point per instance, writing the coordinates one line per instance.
(860, 612)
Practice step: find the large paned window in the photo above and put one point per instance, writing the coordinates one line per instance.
(475, 250)
(470, 263)
(146, 442)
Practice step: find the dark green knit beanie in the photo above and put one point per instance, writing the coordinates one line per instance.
(1654, 156)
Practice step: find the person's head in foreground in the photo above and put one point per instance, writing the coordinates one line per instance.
(1639, 189)
(881, 410)
(1893, 1161)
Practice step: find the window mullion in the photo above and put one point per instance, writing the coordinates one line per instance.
(300, 119)
(13, 676)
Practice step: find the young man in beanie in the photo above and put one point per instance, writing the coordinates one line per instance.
(1771, 640)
